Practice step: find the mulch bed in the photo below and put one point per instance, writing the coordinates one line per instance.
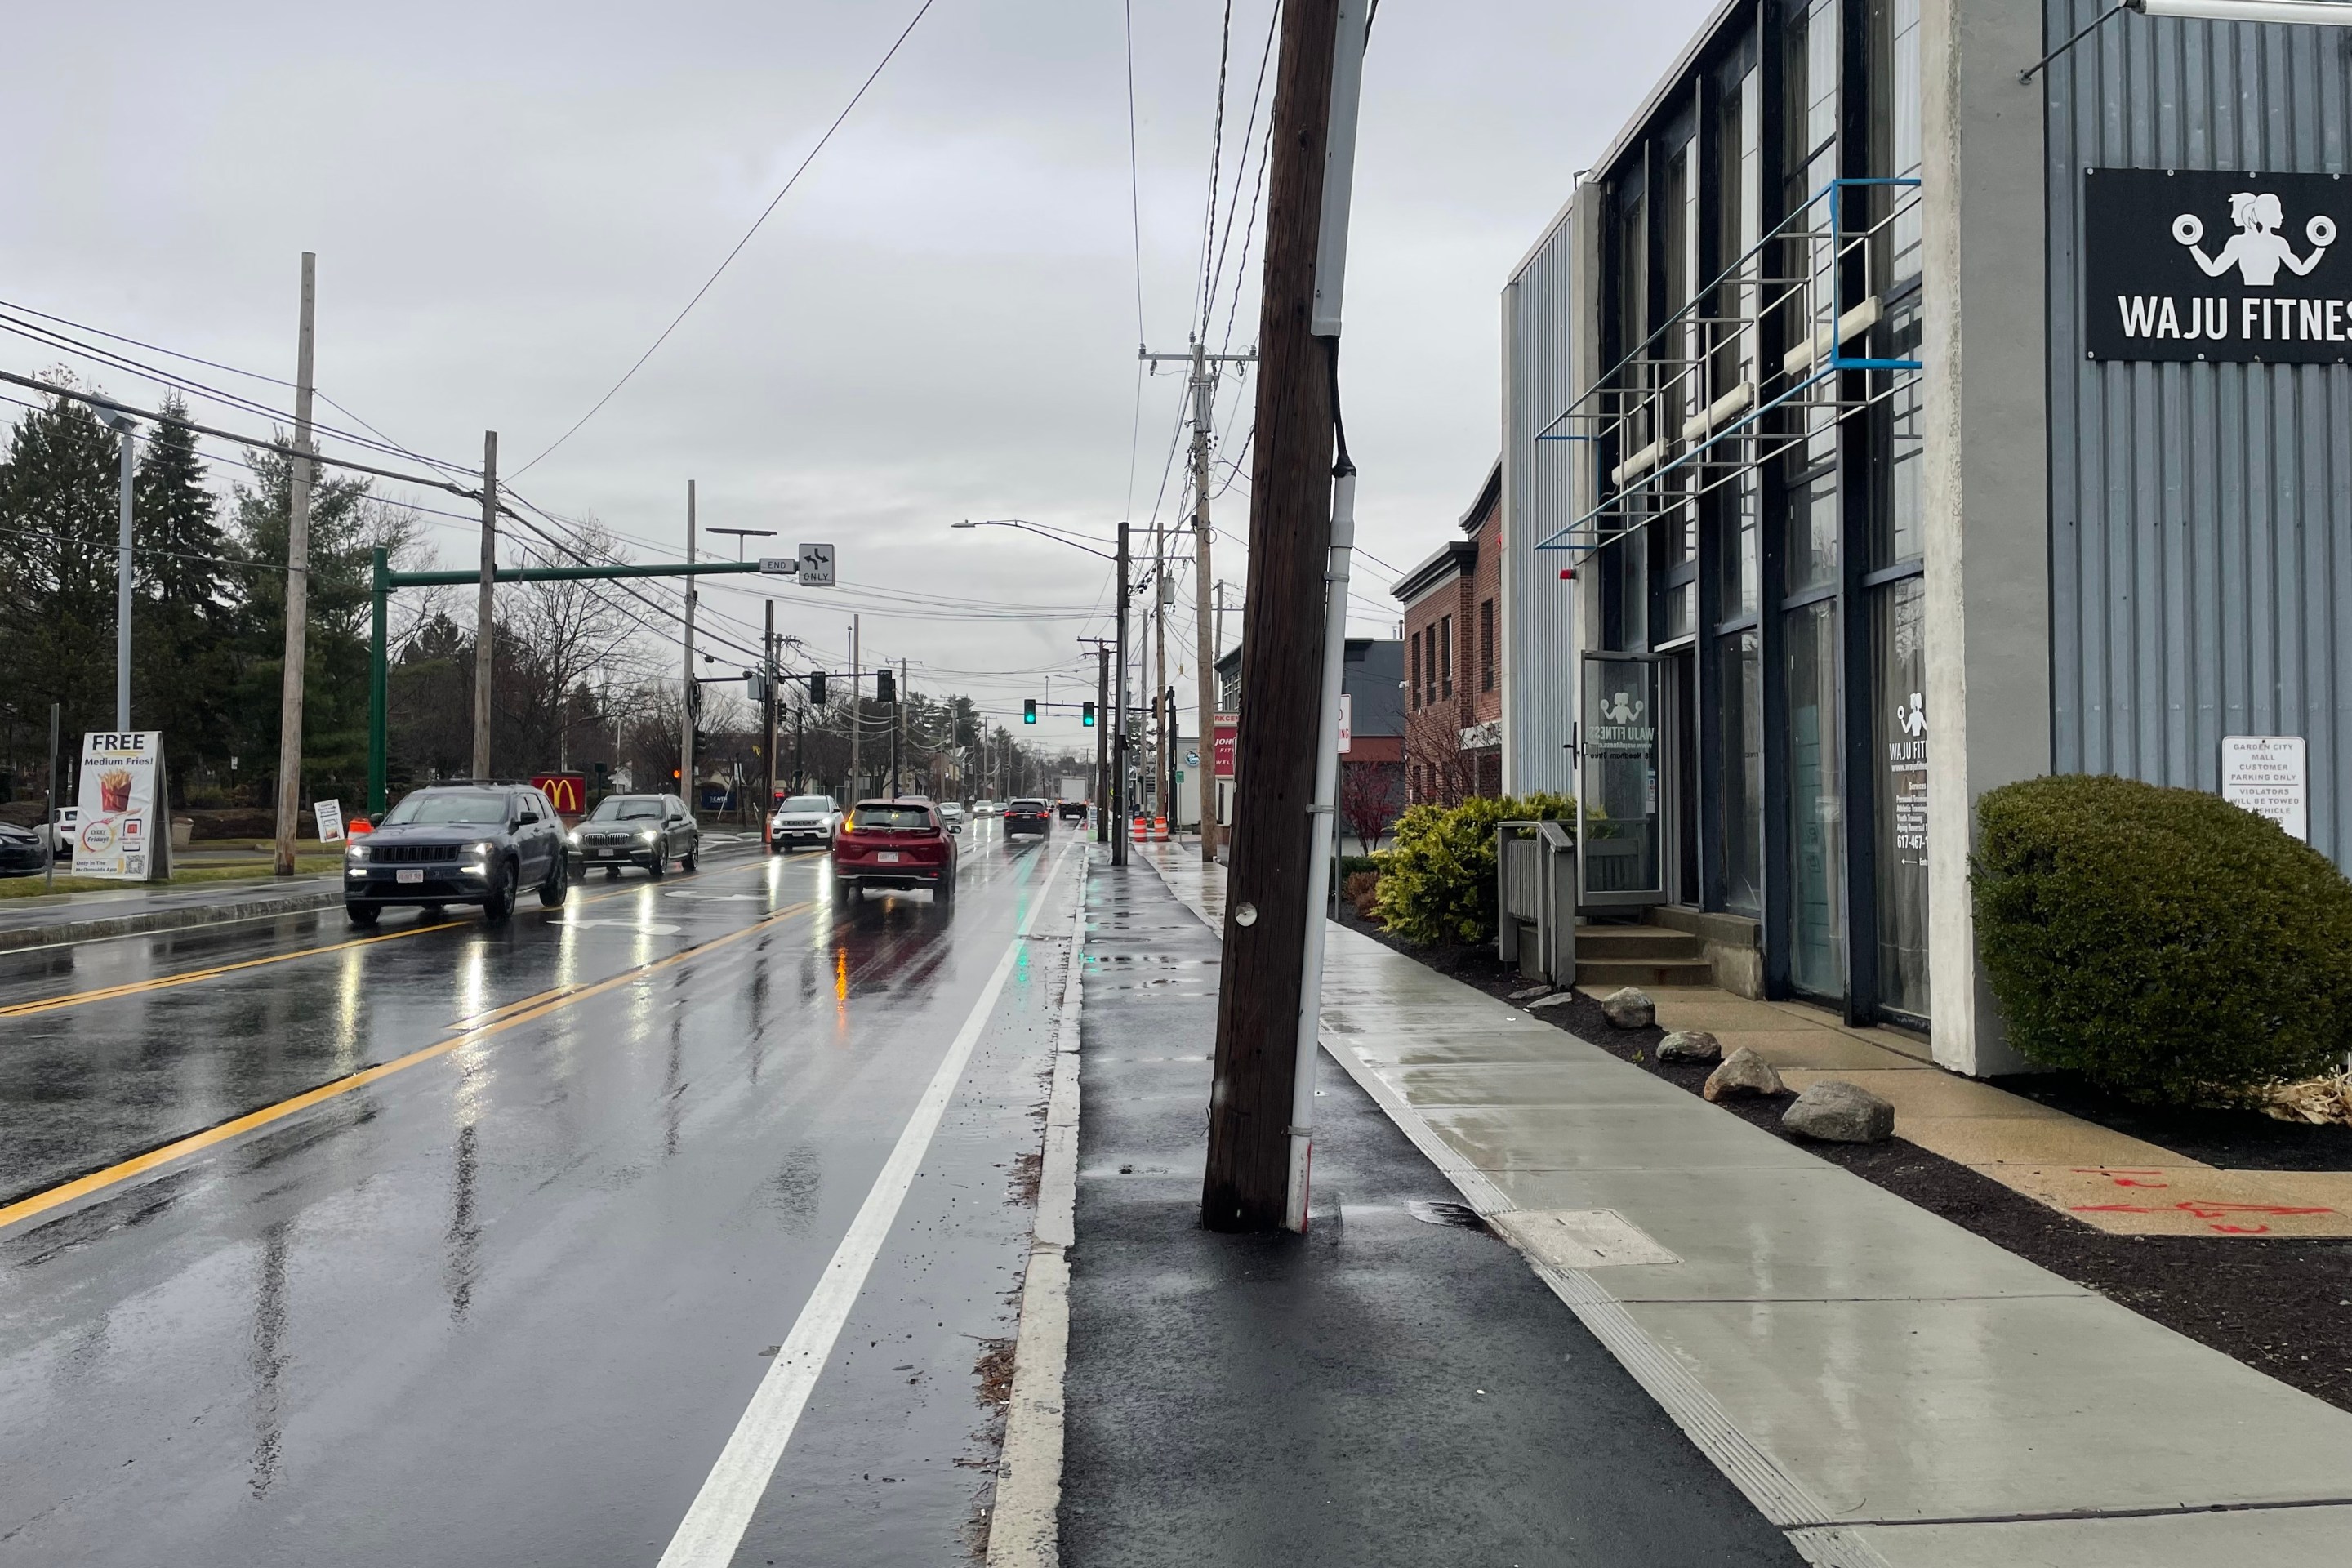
(2282, 1305)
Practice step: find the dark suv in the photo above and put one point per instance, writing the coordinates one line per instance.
(1030, 815)
(458, 843)
(648, 830)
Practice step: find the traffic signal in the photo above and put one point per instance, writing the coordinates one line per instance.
(816, 687)
(1029, 711)
(1087, 717)
(886, 687)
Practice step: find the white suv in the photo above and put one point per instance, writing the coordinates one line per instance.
(803, 819)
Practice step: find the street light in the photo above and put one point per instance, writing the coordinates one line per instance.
(742, 534)
(124, 428)
(1115, 813)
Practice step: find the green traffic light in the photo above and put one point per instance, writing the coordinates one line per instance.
(1029, 711)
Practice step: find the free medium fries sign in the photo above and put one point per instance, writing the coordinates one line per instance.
(122, 835)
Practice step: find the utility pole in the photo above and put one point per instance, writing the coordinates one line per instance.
(768, 717)
(124, 428)
(1258, 1139)
(1119, 722)
(1102, 735)
(297, 583)
(691, 693)
(485, 616)
(1161, 773)
(1208, 640)
(897, 729)
(856, 708)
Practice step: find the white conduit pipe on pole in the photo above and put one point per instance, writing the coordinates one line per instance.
(1325, 811)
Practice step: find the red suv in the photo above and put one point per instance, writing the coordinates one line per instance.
(894, 844)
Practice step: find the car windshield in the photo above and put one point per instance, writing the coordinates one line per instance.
(816, 803)
(628, 808)
(450, 807)
(899, 817)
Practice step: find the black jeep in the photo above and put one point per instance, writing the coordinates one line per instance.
(458, 843)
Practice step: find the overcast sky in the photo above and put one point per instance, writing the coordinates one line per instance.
(509, 202)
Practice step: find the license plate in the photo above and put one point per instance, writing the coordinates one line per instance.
(405, 877)
(887, 856)
(608, 853)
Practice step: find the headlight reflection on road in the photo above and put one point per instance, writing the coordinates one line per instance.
(348, 987)
(474, 981)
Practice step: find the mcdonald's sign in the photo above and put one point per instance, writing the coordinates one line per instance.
(568, 793)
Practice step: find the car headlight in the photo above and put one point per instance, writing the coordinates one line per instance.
(483, 848)
(356, 851)
(573, 838)
(648, 834)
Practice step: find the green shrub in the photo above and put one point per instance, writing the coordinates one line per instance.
(1437, 884)
(2167, 944)
(1351, 864)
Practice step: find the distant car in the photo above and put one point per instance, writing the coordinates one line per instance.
(803, 819)
(60, 831)
(458, 843)
(894, 844)
(986, 808)
(1031, 816)
(23, 851)
(1073, 811)
(645, 830)
(952, 813)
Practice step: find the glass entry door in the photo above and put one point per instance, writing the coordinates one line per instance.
(1617, 796)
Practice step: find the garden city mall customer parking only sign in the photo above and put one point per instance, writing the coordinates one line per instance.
(2270, 775)
(122, 836)
(2226, 267)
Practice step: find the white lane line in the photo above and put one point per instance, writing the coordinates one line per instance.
(714, 1526)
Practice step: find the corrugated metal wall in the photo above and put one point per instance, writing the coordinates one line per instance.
(1537, 377)
(2200, 515)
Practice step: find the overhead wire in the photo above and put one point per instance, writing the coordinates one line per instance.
(727, 261)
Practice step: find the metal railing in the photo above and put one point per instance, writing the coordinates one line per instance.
(1695, 406)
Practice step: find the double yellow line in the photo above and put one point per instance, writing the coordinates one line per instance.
(523, 1012)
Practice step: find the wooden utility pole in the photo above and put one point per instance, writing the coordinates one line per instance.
(1119, 766)
(691, 693)
(485, 614)
(768, 717)
(1266, 890)
(298, 584)
(1102, 738)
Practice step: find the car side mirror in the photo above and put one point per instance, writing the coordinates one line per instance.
(955, 830)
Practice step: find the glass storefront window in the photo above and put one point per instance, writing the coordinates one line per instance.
(1617, 794)
(1898, 648)
(1812, 549)
(1816, 805)
(1743, 774)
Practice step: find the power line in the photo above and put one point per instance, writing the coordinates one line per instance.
(729, 260)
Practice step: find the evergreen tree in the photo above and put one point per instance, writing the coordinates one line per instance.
(346, 525)
(182, 666)
(59, 511)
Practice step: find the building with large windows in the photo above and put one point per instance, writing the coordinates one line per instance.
(1881, 428)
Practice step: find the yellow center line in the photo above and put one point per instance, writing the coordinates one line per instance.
(523, 1012)
(189, 977)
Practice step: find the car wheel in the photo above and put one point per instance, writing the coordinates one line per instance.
(558, 883)
(500, 902)
(686, 861)
(841, 891)
(657, 867)
(943, 890)
(364, 914)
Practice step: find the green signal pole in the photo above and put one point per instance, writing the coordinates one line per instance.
(386, 580)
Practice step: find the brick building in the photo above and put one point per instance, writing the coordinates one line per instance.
(1453, 676)
(1371, 771)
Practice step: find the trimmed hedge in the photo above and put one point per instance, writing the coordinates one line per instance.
(2170, 946)
(1437, 884)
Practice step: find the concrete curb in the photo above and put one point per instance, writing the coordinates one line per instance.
(1025, 1525)
(178, 918)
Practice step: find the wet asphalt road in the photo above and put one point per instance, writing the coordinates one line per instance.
(504, 1304)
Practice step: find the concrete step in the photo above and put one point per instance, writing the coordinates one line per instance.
(1600, 976)
(1629, 942)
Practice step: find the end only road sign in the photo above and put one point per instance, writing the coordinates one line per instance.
(812, 567)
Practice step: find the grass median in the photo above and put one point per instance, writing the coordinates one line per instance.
(235, 871)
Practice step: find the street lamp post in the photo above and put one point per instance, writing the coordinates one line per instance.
(124, 428)
(1119, 783)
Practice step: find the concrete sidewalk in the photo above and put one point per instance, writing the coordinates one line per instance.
(1884, 1386)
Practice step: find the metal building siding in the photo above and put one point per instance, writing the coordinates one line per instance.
(1536, 502)
(2200, 515)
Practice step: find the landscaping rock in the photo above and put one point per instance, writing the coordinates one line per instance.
(1531, 993)
(1839, 1112)
(1744, 1075)
(1690, 1046)
(1557, 999)
(1630, 1008)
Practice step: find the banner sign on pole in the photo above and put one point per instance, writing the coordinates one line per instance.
(330, 820)
(121, 834)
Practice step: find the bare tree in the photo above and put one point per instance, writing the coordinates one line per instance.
(551, 638)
